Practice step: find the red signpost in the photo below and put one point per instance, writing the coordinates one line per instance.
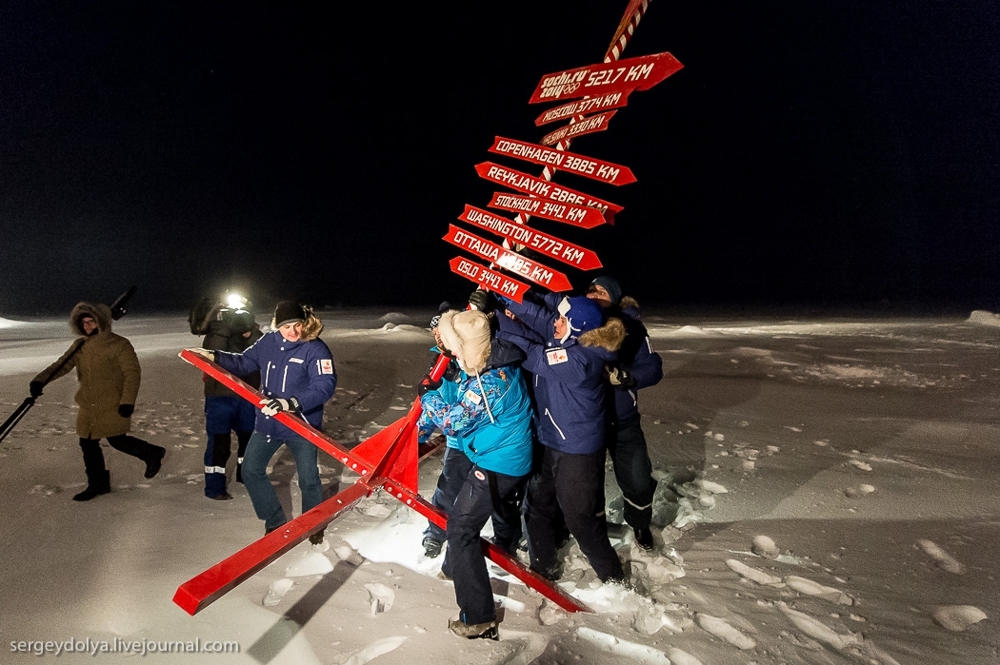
(640, 73)
(543, 243)
(611, 100)
(508, 259)
(388, 461)
(567, 213)
(523, 182)
(588, 167)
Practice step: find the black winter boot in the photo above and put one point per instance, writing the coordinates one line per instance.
(154, 460)
(97, 484)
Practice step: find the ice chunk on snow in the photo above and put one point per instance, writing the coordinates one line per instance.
(810, 588)
(374, 650)
(721, 629)
(944, 560)
(818, 630)
(957, 617)
(637, 653)
(311, 563)
(681, 657)
(753, 574)
(763, 546)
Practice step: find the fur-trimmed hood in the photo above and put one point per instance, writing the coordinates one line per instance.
(609, 336)
(312, 327)
(100, 312)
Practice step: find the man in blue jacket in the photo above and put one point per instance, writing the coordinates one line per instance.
(491, 422)
(568, 344)
(638, 367)
(298, 377)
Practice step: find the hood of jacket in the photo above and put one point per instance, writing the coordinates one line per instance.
(100, 312)
(609, 336)
(311, 327)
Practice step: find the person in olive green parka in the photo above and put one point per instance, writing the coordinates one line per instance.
(109, 375)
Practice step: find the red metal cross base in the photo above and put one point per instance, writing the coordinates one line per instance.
(386, 461)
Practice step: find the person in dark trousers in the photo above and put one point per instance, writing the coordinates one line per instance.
(568, 343)
(491, 422)
(297, 377)
(637, 367)
(456, 465)
(109, 375)
(232, 330)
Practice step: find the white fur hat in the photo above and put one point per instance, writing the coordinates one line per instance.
(467, 335)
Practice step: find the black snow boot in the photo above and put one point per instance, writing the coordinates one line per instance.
(153, 460)
(97, 484)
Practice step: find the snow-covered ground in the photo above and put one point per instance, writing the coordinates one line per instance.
(828, 494)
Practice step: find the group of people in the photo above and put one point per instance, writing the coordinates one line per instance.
(537, 394)
(291, 366)
(541, 392)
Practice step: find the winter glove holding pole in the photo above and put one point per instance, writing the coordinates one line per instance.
(274, 405)
(35, 388)
(126, 410)
(427, 384)
(620, 379)
(203, 352)
(480, 299)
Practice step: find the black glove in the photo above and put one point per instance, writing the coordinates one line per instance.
(35, 388)
(621, 379)
(453, 372)
(427, 384)
(125, 410)
(271, 407)
(480, 300)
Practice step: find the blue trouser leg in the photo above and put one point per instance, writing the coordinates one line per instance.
(633, 471)
(305, 455)
(220, 412)
(465, 562)
(260, 450)
(455, 468)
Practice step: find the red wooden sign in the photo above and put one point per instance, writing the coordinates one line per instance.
(567, 213)
(509, 260)
(588, 167)
(589, 125)
(490, 280)
(523, 182)
(561, 250)
(640, 73)
(612, 100)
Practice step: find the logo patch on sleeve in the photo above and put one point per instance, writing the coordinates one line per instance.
(325, 366)
(556, 356)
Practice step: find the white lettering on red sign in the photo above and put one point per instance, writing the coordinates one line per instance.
(518, 181)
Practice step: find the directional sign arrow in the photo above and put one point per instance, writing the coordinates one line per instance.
(543, 243)
(523, 182)
(612, 100)
(509, 260)
(491, 280)
(640, 73)
(567, 213)
(589, 125)
(588, 167)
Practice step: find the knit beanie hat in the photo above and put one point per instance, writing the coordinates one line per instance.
(583, 314)
(467, 335)
(241, 322)
(611, 285)
(287, 311)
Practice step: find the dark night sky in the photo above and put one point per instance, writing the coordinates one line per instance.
(808, 153)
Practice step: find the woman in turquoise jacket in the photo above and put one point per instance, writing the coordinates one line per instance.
(490, 418)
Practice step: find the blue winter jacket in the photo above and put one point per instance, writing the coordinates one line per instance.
(569, 378)
(636, 356)
(490, 419)
(303, 370)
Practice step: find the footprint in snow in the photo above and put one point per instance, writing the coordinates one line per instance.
(864, 466)
(820, 631)
(810, 588)
(277, 591)
(944, 560)
(860, 490)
